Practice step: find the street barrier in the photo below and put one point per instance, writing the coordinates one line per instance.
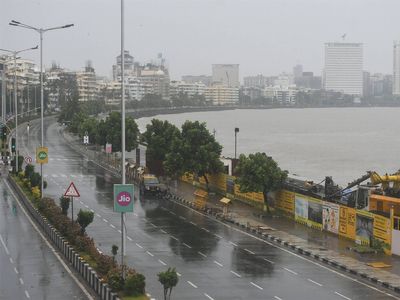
(87, 273)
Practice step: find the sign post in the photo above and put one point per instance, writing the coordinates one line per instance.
(42, 155)
(123, 198)
(72, 192)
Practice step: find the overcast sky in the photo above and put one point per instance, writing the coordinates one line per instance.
(263, 36)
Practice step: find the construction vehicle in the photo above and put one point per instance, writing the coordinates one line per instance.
(149, 184)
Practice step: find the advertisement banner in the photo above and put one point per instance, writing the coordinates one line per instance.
(285, 201)
(330, 217)
(364, 227)
(301, 209)
(123, 197)
(347, 222)
(314, 213)
(382, 232)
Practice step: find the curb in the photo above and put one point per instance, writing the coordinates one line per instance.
(300, 250)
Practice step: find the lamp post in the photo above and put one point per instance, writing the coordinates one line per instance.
(41, 31)
(14, 54)
(236, 131)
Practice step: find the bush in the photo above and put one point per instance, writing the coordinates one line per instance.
(64, 204)
(85, 217)
(135, 284)
(115, 280)
(104, 264)
(36, 192)
(35, 179)
(29, 170)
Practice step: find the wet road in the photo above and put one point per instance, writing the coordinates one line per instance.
(214, 260)
(29, 269)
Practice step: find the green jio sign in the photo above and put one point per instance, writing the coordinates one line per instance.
(123, 197)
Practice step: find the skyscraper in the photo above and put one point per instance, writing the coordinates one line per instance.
(226, 74)
(343, 70)
(396, 68)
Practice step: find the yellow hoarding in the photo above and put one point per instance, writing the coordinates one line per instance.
(285, 201)
(382, 231)
(347, 222)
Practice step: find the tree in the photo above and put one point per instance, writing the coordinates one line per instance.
(259, 173)
(89, 126)
(114, 251)
(113, 132)
(85, 217)
(169, 279)
(29, 170)
(158, 137)
(196, 151)
(64, 203)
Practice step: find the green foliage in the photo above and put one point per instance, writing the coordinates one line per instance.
(64, 204)
(85, 217)
(259, 173)
(76, 121)
(169, 279)
(89, 125)
(135, 284)
(114, 251)
(158, 137)
(195, 151)
(35, 179)
(115, 280)
(29, 170)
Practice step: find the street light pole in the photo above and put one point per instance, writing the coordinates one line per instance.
(236, 131)
(40, 31)
(14, 53)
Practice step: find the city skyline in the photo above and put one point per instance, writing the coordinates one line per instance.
(219, 40)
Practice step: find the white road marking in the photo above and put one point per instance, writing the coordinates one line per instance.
(291, 271)
(277, 298)
(135, 214)
(217, 263)
(129, 238)
(186, 245)
(218, 236)
(27, 294)
(163, 231)
(4, 245)
(21, 281)
(161, 262)
(208, 296)
(205, 229)
(236, 274)
(119, 231)
(92, 210)
(343, 296)
(179, 274)
(317, 283)
(193, 223)
(54, 175)
(15, 270)
(232, 243)
(98, 215)
(202, 254)
(257, 286)
(149, 253)
(171, 212)
(112, 226)
(155, 226)
(140, 246)
(181, 217)
(270, 261)
(105, 220)
(86, 206)
(11, 260)
(174, 238)
(192, 284)
(248, 251)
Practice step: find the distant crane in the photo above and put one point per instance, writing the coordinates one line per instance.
(344, 36)
(227, 77)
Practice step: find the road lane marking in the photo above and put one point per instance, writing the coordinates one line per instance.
(291, 271)
(317, 283)
(232, 243)
(27, 294)
(161, 262)
(86, 206)
(4, 245)
(248, 251)
(343, 296)
(192, 284)
(98, 215)
(202, 254)
(277, 298)
(15, 270)
(149, 253)
(11, 260)
(179, 274)
(218, 236)
(174, 238)
(205, 229)
(217, 263)
(135, 214)
(119, 231)
(163, 231)
(236, 274)
(129, 238)
(181, 217)
(92, 210)
(257, 286)
(140, 246)
(112, 226)
(105, 220)
(186, 245)
(208, 296)
(267, 260)
(155, 226)
(21, 281)
(193, 223)
(171, 212)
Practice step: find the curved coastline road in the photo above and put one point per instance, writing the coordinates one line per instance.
(214, 260)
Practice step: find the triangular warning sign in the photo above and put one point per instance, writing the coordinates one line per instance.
(72, 191)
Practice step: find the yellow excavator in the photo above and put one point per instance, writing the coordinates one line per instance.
(386, 180)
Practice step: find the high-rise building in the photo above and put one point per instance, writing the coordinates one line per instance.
(297, 71)
(226, 74)
(343, 70)
(205, 79)
(86, 82)
(128, 66)
(396, 68)
(220, 94)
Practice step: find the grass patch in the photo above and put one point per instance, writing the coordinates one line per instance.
(142, 297)
(363, 249)
(92, 263)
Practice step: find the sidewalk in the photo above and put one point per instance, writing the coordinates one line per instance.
(323, 246)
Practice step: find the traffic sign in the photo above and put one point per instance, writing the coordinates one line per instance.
(86, 139)
(72, 191)
(42, 155)
(123, 197)
(28, 159)
(108, 148)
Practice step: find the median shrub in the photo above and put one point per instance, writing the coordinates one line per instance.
(135, 284)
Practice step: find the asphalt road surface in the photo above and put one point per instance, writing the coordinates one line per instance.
(29, 268)
(214, 260)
